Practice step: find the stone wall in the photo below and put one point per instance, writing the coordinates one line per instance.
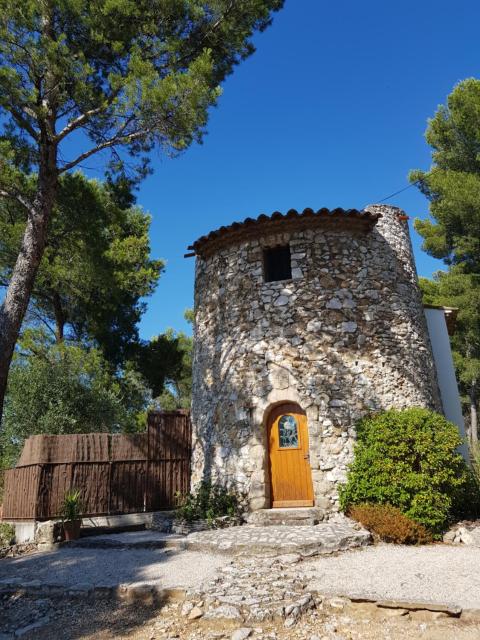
(345, 336)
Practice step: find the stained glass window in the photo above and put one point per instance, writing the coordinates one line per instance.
(288, 432)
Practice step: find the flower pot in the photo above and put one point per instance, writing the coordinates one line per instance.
(71, 529)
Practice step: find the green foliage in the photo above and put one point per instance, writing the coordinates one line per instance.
(475, 461)
(453, 183)
(409, 459)
(166, 364)
(166, 360)
(134, 74)
(7, 534)
(177, 390)
(453, 233)
(72, 505)
(66, 389)
(390, 524)
(94, 275)
(462, 291)
(96, 267)
(78, 77)
(208, 502)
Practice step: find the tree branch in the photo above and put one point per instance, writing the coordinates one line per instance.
(41, 319)
(116, 140)
(84, 117)
(23, 123)
(19, 198)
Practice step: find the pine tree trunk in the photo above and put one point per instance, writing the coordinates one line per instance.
(473, 416)
(15, 304)
(17, 298)
(59, 318)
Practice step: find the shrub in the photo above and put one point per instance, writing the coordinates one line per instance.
(7, 534)
(390, 524)
(474, 451)
(208, 502)
(409, 459)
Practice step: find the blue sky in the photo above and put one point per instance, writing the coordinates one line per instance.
(330, 111)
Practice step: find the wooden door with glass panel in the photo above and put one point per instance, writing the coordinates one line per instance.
(290, 474)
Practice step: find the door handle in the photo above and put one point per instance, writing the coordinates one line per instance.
(307, 457)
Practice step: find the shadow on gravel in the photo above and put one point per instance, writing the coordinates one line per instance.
(77, 568)
(70, 619)
(87, 615)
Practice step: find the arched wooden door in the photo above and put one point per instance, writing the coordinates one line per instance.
(290, 474)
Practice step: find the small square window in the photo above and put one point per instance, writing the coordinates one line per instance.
(277, 263)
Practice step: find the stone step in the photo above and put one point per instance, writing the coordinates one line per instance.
(298, 541)
(300, 516)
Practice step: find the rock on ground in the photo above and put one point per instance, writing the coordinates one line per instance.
(464, 533)
(105, 620)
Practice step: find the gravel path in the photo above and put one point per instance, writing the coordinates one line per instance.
(110, 567)
(435, 574)
(441, 574)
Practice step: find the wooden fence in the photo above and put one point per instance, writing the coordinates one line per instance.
(115, 473)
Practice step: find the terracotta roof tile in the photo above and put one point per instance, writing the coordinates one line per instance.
(209, 242)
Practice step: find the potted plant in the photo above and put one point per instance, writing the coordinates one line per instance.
(71, 518)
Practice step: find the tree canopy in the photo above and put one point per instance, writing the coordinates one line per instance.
(66, 388)
(452, 233)
(165, 362)
(96, 267)
(78, 77)
(461, 291)
(453, 183)
(137, 73)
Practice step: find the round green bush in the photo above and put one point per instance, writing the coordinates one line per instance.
(409, 459)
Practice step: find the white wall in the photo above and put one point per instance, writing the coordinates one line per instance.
(24, 532)
(442, 354)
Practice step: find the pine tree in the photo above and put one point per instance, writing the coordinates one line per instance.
(82, 76)
(453, 233)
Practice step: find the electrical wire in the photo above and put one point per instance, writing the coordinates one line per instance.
(392, 195)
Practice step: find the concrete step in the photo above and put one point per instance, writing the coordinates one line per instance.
(157, 520)
(301, 516)
(131, 540)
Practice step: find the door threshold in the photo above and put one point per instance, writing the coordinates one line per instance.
(292, 504)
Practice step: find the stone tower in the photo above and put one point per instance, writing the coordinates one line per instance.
(313, 315)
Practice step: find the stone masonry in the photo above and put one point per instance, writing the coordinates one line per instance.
(345, 336)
